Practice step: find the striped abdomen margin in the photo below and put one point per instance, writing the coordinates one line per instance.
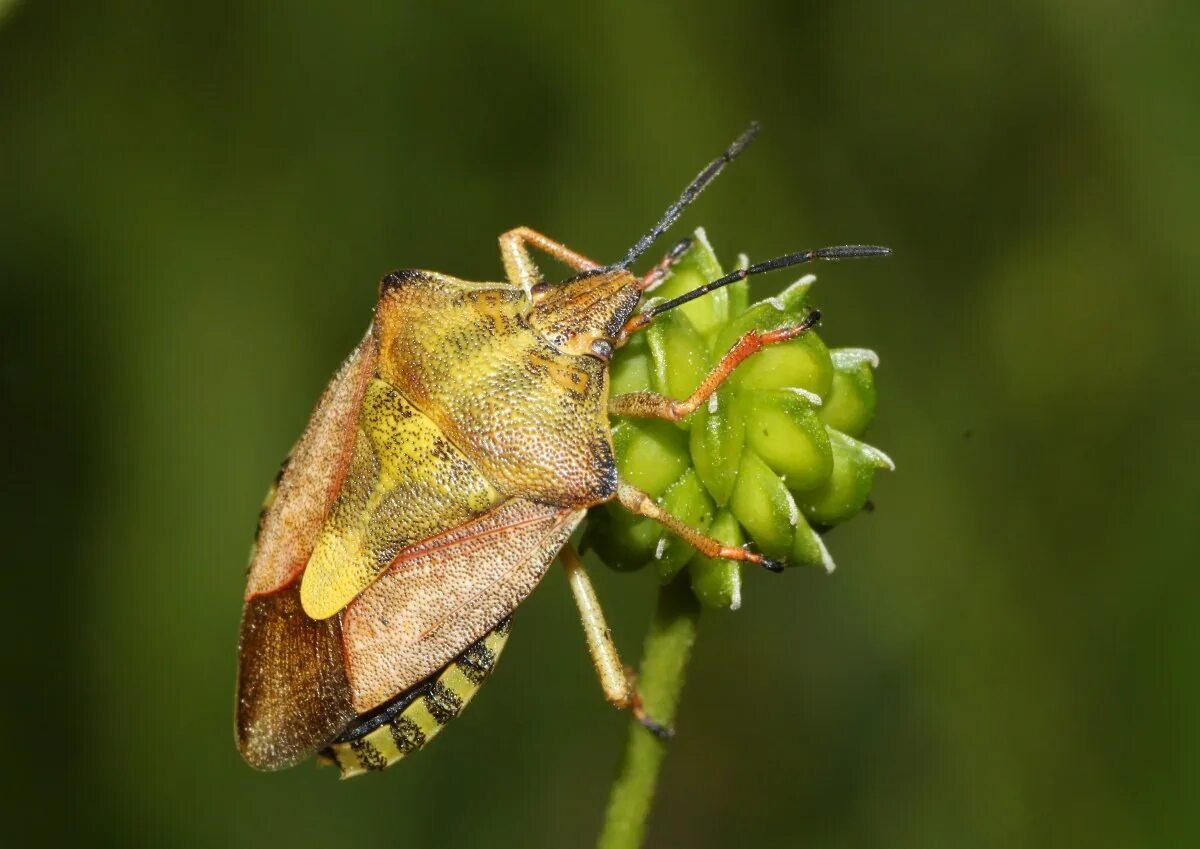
(377, 740)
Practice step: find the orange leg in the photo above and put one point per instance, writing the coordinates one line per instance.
(654, 405)
(519, 265)
(655, 275)
(641, 504)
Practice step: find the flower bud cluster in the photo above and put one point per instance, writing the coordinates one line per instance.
(773, 459)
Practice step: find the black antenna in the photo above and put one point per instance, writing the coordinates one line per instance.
(689, 194)
(785, 261)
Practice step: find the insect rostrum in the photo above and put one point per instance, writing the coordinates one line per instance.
(441, 473)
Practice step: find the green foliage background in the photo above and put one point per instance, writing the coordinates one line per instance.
(196, 200)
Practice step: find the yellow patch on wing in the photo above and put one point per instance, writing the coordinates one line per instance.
(406, 482)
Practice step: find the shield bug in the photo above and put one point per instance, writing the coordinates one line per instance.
(442, 472)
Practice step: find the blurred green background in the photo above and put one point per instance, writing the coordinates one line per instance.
(197, 200)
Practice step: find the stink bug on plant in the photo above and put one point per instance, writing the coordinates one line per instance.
(442, 472)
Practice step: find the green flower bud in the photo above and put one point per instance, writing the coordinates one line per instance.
(688, 501)
(846, 489)
(630, 368)
(678, 354)
(718, 583)
(624, 542)
(695, 268)
(651, 454)
(716, 445)
(850, 405)
(788, 434)
(764, 507)
(808, 549)
(770, 460)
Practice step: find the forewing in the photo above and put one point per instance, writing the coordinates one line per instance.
(441, 595)
(311, 477)
(406, 482)
(293, 697)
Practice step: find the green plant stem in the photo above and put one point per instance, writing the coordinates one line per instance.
(665, 658)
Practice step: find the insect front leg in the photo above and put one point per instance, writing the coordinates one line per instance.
(613, 675)
(641, 504)
(654, 405)
(656, 274)
(519, 266)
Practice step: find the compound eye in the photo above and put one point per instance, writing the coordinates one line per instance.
(602, 349)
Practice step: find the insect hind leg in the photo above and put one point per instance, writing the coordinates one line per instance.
(615, 678)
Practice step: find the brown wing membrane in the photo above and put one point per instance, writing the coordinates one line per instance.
(293, 697)
(443, 594)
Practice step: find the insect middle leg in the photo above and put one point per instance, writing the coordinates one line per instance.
(519, 266)
(613, 675)
(654, 405)
(641, 504)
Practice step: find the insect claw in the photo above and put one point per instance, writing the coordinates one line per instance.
(659, 730)
(765, 562)
(680, 248)
(662, 732)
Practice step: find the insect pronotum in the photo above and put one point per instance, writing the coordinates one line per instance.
(440, 475)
